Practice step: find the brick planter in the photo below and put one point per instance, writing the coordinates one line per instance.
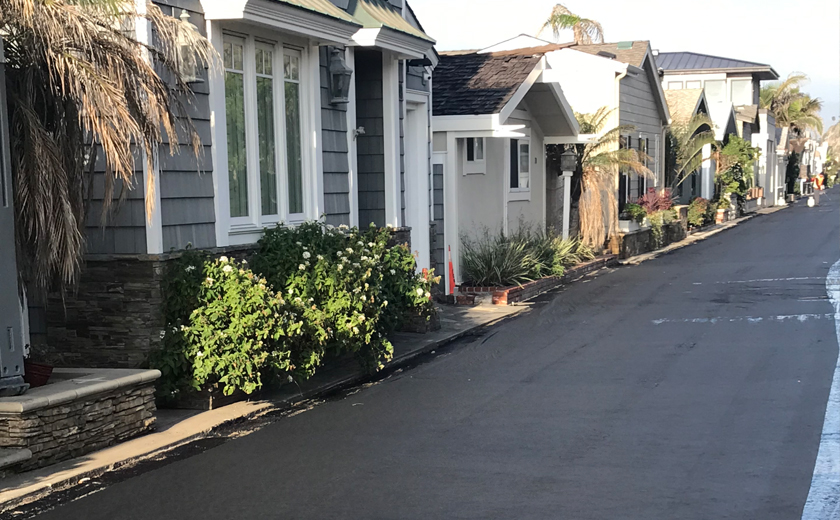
(521, 293)
(84, 410)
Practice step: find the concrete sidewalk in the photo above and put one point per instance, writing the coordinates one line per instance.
(179, 427)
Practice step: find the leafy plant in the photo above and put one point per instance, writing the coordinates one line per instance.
(635, 212)
(698, 211)
(654, 200)
(658, 220)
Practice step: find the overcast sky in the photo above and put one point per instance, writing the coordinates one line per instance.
(801, 36)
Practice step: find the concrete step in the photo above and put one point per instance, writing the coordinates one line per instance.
(11, 456)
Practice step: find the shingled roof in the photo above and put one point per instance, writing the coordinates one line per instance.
(625, 52)
(695, 62)
(683, 103)
(477, 84)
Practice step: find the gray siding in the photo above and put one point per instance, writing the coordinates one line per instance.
(370, 147)
(438, 246)
(335, 152)
(638, 107)
(188, 215)
(415, 79)
(402, 142)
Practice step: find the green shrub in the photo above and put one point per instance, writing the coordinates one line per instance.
(658, 220)
(312, 290)
(698, 211)
(635, 212)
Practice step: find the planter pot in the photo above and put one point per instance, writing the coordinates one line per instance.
(720, 216)
(630, 226)
(36, 374)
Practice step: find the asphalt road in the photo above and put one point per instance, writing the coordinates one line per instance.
(691, 386)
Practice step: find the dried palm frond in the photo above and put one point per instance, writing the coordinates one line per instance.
(83, 86)
(586, 31)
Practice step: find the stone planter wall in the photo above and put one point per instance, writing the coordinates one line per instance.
(72, 417)
(639, 242)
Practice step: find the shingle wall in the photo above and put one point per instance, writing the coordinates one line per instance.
(335, 151)
(371, 145)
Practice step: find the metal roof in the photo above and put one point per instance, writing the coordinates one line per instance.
(379, 13)
(692, 61)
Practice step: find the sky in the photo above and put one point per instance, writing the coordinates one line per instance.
(799, 36)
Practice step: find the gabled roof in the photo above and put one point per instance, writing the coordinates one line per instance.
(477, 84)
(695, 62)
(376, 14)
(684, 104)
(324, 7)
(747, 113)
(632, 53)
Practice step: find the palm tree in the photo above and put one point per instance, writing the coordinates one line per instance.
(686, 142)
(790, 106)
(600, 161)
(81, 83)
(586, 31)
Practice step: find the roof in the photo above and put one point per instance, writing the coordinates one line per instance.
(693, 62)
(477, 84)
(324, 7)
(683, 104)
(375, 14)
(627, 52)
(747, 113)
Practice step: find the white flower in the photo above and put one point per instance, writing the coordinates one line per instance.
(389, 226)
(330, 227)
(419, 292)
(427, 295)
(371, 244)
(355, 264)
(162, 334)
(291, 379)
(307, 254)
(227, 268)
(356, 290)
(297, 299)
(320, 257)
(245, 262)
(298, 243)
(189, 268)
(364, 258)
(385, 303)
(223, 259)
(343, 227)
(349, 250)
(367, 287)
(355, 330)
(301, 267)
(360, 243)
(338, 253)
(340, 267)
(199, 354)
(209, 281)
(361, 318)
(393, 272)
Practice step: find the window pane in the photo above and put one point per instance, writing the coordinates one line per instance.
(235, 115)
(514, 163)
(675, 85)
(265, 122)
(228, 55)
(291, 67)
(259, 59)
(716, 90)
(693, 84)
(238, 51)
(524, 165)
(479, 149)
(470, 149)
(742, 92)
(293, 148)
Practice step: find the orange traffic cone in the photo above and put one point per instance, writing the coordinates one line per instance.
(451, 273)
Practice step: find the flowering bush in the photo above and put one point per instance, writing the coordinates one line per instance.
(238, 331)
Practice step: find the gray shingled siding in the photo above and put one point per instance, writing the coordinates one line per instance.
(370, 147)
(187, 207)
(415, 79)
(125, 229)
(438, 246)
(335, 152)
(402, 142)
(639, 108)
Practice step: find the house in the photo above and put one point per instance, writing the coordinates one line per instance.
(494, 114)
(319, 109)
(684, 105)
(768, 175)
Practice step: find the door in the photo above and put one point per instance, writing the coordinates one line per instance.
(417, 181)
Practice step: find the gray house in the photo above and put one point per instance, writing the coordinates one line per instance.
(319, 109)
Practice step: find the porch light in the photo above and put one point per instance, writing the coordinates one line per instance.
(340, 76)
(187, 66)
(568, 160)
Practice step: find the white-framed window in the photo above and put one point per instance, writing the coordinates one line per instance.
(475, 151)
(741, 92)
(264, 130)
(693, 84)
(520, 165)
(675, 85)
(715, 90)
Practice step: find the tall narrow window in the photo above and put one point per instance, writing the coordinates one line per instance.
(265, 129)
(234, 57)
(475, 149)
(520, 164)
(294, 167)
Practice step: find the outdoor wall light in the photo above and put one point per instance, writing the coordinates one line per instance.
(568, 160)
(340, 77)
(187, 66)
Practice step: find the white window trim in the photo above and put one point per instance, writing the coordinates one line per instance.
(476, 166)
(519, 194)
(245, 230)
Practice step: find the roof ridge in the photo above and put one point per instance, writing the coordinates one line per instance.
(714, 56)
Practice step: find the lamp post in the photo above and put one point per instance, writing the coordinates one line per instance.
(568, 164)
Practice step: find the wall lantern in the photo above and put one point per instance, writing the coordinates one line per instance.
(340, 77)
(187, 65)
(568, 160)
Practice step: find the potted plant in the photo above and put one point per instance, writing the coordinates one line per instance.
(633, 218)
(36, 374)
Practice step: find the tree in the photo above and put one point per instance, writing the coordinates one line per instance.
(82, 86)
(686, 142)
(790, 106)
(600, 161)
(586, 31)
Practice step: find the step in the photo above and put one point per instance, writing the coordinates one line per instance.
(12, 456)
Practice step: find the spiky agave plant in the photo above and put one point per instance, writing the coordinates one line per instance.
(83, 86)
(600, 163)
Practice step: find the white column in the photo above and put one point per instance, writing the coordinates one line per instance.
(391, 124)
(567, 203)
(452, 231)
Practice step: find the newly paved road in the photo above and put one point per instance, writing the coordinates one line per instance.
(620, 397)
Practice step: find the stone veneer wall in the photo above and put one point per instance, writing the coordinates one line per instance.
(72, 429)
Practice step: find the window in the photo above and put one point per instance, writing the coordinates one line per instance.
(475, 149)
(693, 84)
(675, 85)
(741, 90)
(520, 165)
(264, 131)
(643, 153)
(716, 90)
